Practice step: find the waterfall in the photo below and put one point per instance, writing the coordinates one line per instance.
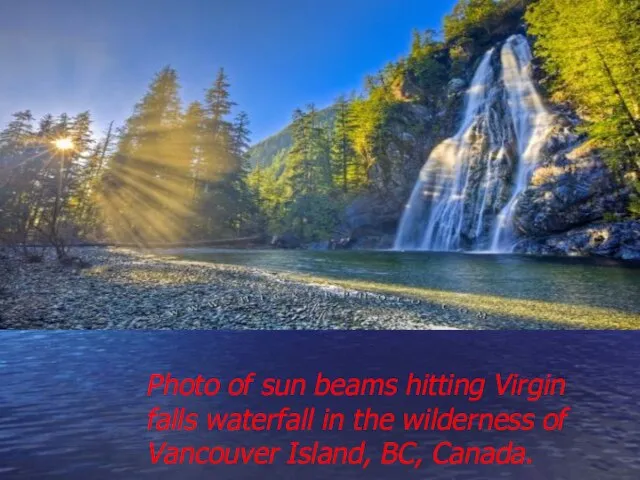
(467, 191)
(531, 124)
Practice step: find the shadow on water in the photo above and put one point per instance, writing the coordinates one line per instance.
(603, 283)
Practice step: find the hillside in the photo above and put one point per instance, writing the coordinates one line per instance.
(556, 174)
(265, 151)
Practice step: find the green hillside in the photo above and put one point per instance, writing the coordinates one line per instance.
(265, 151)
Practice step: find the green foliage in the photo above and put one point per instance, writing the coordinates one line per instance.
(224, 204)
(347, 170)
(475, 24)
(296, 191)
(591, 52)
(470, 18)
(370, 114)
(428, 66)
(172, 175)
(45, 192)
(265, 151)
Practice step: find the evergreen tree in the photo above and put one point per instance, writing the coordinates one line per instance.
(195, 130)
(150, 174)
(345, 171)
(416, 42)
(169, 177)
(42, 186)
(224, 200)
(20, 163)
(471, 19)
(243, 212)
(218, 101)
(591, 51)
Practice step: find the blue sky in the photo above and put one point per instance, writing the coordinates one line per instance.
(75, 55)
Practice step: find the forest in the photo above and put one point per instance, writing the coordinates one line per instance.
(167, 175)
(176, 173)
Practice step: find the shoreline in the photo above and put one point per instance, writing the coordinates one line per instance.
(127, 289)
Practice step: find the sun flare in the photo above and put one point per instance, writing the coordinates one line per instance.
(64, 143)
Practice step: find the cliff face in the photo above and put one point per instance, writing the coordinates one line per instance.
(411, 131)
(574, 205)
(570, 202)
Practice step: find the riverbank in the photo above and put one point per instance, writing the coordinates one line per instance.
(125, 289)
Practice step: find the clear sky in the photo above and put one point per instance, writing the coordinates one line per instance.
(100, 55)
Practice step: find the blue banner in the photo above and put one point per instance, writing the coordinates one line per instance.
(481, 405)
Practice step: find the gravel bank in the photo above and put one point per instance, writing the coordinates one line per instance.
(125, 289)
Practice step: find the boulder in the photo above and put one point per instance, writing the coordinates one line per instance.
(617, 240)
(568, 191)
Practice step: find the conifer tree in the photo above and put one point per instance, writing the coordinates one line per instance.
(591, 51)
(150, 174)
(342, 152)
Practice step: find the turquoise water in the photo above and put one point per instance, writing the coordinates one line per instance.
(594, 282)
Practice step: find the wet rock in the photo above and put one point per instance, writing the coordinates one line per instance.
(370, 215)
(569, 191)
(617, 240)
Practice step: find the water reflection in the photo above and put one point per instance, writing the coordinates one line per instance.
(594, 282)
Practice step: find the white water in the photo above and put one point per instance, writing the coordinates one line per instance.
(531, 123)
(468, 189)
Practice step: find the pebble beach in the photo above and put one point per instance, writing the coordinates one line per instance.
(128, 289)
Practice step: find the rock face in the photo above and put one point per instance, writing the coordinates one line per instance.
(570, 196)
(466, 192)
(370, 222)
(563, 210)
(618, 240)
(411, 131)
(571, 187)
(370, 215)
(563, 206)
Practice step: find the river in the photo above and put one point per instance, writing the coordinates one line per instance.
(603, 283)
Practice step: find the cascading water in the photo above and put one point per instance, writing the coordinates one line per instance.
(531, 123)
(468, 189)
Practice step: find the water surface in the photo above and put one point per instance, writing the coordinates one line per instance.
(577, 281)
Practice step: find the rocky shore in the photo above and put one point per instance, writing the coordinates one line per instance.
(124, 289)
